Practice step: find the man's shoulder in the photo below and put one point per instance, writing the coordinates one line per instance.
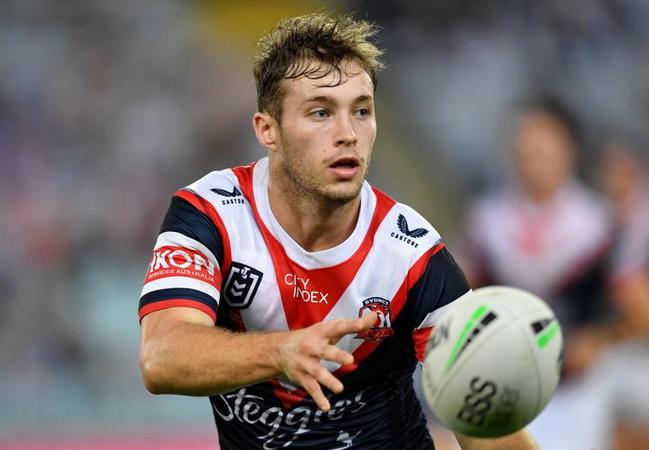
(403, 223)
(220, 196)
(224, 183)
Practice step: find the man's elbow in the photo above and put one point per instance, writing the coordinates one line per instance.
(152, 373)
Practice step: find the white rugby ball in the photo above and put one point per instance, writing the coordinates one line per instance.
(493, 361)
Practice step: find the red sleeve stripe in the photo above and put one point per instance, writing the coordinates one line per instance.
(414, 274)
(419, 340)
(208, 209)
(187, 303)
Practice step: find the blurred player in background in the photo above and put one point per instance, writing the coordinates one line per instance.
(614, 356)
(290, 291)
(624, 182)
(545, 231)
(609, 359)
(550, 234)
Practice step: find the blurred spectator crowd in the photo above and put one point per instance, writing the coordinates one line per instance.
(530, 116)
(105, 109)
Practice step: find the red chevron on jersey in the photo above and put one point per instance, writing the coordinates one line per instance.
(320, 288)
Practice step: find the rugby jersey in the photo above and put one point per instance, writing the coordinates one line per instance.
(557, 249)
(221, 250)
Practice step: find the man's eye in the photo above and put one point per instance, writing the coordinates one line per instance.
(320, 114)
(363, 112)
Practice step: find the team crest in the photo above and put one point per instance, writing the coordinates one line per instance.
(383, 326)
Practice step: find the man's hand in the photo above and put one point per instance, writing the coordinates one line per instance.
(298, 357)
(582, 349)
(521, 440)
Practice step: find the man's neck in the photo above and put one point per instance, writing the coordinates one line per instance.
(315, 225)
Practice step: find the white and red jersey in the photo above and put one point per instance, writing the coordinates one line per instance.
(222, 251)
(558, 249)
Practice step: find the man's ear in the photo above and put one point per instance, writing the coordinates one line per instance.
(266, 129)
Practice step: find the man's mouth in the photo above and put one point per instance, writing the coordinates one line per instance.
(348, 162)
(345, 168)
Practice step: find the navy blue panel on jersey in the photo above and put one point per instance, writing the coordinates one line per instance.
(183, 218)
(442, 282)
(384, 415)
(178, 293)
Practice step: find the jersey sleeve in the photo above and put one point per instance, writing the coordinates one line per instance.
(441, 283)
(185, 269)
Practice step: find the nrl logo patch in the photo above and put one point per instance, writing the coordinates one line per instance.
(241, 286)
(382, 328)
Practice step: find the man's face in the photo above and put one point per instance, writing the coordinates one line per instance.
(544, 154)
(326, 132)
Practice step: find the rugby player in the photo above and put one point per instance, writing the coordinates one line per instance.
(291, 292)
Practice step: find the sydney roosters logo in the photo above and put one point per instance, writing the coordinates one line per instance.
(382, 328)
(231, 197)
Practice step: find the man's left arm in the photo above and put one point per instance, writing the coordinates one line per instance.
(521, 440)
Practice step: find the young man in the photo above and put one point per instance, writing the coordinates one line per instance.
(323, 289)
(546, 231)
(550, 234)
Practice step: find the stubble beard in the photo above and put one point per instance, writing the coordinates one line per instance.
(303, 181)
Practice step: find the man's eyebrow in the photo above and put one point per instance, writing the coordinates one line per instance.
(363, 98)
(319, 99)
(328, 99)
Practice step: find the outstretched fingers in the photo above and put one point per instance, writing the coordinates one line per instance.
(327, 379)
(333, 353)
(338, 328)
(304, 350)
(312, 386)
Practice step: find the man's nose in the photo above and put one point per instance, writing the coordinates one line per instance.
(345, 134)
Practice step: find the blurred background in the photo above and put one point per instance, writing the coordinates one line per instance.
(518, 128)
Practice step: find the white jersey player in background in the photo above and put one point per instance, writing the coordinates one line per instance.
(291, 292)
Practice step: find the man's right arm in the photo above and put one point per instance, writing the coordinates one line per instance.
(182, 352)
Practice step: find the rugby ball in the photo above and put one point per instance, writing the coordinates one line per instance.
(492, 362)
